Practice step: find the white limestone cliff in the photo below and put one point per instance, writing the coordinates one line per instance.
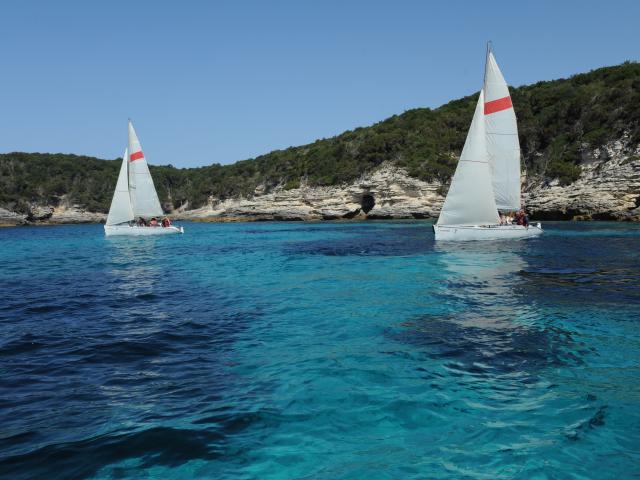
(608, 188)
(389, 192)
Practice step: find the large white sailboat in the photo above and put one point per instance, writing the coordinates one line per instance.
(135, 196)
(487, 178)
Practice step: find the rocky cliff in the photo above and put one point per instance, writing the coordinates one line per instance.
(607, 188)
(388, 192)
(61, 213)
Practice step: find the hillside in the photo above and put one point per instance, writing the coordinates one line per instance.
(559, 122)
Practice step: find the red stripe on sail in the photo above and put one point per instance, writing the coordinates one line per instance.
(136, 156)
(497, 105)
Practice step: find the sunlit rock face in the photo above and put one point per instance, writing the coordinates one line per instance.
(75, 214)
(9, 218)
(63, 213)
(388, 192)
(608, 188)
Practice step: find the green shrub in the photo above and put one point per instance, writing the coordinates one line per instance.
(292, 184)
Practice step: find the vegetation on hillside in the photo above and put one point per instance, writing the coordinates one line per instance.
(558, 120)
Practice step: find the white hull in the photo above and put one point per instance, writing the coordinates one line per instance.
(493, 232)
(135, 231)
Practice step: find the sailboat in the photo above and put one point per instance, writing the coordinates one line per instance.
(487, 178)
(135, 195)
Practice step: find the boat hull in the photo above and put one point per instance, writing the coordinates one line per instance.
(493, 232)
(136, 231)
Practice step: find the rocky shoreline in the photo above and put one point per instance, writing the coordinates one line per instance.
(607, 189)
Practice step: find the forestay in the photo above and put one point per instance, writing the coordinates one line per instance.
(144, 198)
(503, 146)
(120, 211)
(470, 199)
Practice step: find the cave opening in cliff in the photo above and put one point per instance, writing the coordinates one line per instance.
(367, 202)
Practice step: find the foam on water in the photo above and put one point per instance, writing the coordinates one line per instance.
(333, 350)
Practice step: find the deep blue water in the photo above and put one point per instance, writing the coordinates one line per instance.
(319, 351)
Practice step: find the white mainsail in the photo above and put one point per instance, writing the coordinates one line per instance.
(470, 198)
(503, 146)
(120, 211)
(144, 198)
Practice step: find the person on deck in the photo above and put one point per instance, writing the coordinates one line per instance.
(142, 222)
(153, 222)
(166, 222)
(522, 219)
(518, 217)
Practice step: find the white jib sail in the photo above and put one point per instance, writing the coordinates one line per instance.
(144, 198)
(503, 146)
(470, 198)
(120, 211)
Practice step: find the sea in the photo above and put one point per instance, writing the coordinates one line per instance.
(319, 351)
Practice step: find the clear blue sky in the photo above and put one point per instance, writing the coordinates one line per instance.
(222, 81)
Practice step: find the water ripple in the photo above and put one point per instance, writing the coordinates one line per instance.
(320, 351)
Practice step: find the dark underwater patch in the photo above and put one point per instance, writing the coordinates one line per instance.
(399, 241)
(584, 269)
(318, 227)
(164, 446)
(578, 431)
(482, 346)
(65, 370)
(26, 344)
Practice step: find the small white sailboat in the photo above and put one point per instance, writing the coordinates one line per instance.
(135, 196)
(487, 178)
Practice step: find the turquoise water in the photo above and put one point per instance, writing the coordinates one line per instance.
(320, 351)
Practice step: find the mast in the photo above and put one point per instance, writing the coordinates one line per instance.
(486, 61)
